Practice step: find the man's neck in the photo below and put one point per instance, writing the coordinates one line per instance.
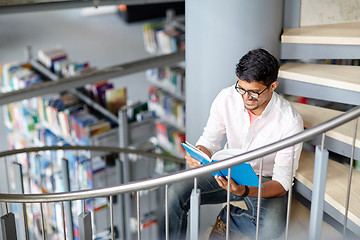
(260, 110)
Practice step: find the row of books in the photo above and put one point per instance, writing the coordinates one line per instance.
(170, 138)
(352, 62)
(106, 95)
(167, 106)
(24, 119)
(83, 174)
(16, 76)
(66, 115)
(44, 167)
(171, 78)
(49, 57)
(162, 39)
(103, 92)
(56, 60)
(56, 109)
(53, 216)
(73, 122)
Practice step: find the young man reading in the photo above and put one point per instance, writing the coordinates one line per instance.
(251, 115)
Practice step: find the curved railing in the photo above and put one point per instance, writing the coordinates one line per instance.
(83, 194)
(178, 176)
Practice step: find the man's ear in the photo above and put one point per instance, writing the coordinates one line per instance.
(274, 85)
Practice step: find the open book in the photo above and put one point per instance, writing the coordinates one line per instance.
(242, 174)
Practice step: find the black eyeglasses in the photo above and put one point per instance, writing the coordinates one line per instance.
(250, 92)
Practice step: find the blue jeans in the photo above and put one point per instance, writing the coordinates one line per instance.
(272, 212)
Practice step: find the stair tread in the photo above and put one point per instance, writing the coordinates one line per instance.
(300, 220)
(298, 227)
(314, 115)
(342, 34)
(338, 76)
(336, 184)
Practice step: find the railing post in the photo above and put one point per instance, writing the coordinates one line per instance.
(4, 187)
(42, 222)
(317, 199)
(67, 205)
(166, 212)
(194, 212)
(8, 227)
(63, 219)
(259, 200)
(85, 228)
(290, 194)
(112, 217)
(138, 215)
(349, 179)
(123, 143)
(18, 188)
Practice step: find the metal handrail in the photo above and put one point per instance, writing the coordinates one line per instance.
(184, 174)
(92, 77)
(89, 148)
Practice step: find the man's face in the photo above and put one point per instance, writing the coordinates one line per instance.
(256, 105)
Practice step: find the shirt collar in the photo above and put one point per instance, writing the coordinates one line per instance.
(268, 107)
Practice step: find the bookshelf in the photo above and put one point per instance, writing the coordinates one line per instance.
(163, 36)
(167, 93)
(137, 132)
(167, 102)
(139, 127)
(71, 117)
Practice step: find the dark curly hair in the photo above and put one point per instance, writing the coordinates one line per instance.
(258, 65)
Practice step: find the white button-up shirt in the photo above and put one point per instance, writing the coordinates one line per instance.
(279, 120)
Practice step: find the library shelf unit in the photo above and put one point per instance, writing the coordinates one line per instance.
(167, 100)
(138, 135)
(35, 122)
(167, 94)
(111, 137)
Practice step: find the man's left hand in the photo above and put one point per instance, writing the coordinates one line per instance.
(234, 187)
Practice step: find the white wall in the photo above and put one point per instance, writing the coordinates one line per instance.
(329, 11)
(217, 36)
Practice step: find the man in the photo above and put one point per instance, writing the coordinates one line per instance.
(251, 115)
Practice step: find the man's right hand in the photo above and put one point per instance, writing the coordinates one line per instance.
(192, 162)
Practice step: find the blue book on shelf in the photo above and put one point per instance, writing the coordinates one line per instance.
(242, 174)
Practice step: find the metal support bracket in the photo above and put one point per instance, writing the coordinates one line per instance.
(8, 227)
(85, 228)
(318, 193)
(194, 214)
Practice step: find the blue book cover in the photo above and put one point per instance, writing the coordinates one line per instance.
(242, 174)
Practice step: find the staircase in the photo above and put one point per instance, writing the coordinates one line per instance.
(332, 83)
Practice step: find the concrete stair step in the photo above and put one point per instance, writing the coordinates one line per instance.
(314, 115)
(298, 228)
(338, 34)
(343, 77)
(336, 184)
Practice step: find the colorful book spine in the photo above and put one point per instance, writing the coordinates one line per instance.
(167, 106)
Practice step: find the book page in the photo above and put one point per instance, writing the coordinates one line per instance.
(226, 153)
